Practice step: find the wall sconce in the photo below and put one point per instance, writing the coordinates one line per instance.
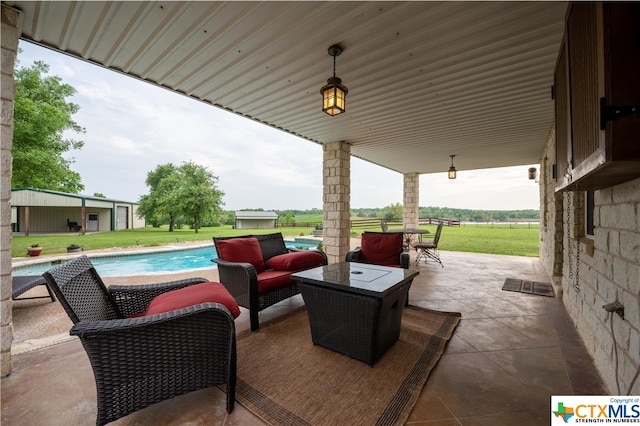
(334, 93)
(533, 173)
(452, 170)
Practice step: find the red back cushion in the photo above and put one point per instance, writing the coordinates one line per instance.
(381, 249)
(193, 295)
(295, 261)
(245, 250)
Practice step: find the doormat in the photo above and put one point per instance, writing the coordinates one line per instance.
(530, 287)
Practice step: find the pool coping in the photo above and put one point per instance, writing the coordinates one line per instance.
(19, 262)
(114, 251)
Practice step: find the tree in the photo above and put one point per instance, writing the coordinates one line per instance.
(198, 197)
(392, 211)
(287, 217)
(41, 117)
(189, 190)
(156, 207)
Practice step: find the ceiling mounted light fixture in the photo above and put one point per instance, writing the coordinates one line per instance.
(452, 170)
(334, 92)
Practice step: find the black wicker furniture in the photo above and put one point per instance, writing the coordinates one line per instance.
(256, 269)
(141, 360)
(380, 248)
(22, 284)
(355, 308)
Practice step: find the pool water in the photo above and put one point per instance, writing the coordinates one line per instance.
(145, 263)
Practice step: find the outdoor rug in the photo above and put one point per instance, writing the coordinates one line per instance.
(285, 379)
(531, 287)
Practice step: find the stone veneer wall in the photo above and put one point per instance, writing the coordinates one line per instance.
(411, 199)
(9, 45)
(609, 270)
(336, 184)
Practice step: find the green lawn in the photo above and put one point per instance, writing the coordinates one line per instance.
(521, 240)
(517, 240)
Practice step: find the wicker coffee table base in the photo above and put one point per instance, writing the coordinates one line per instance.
(362, 327)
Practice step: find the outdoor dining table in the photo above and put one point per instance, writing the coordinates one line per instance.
(408, 233)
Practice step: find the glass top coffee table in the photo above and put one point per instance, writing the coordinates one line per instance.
(355, 308)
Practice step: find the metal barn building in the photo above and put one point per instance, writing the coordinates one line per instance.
(43, 211)
(255, 220)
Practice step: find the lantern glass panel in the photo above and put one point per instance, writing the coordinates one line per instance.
(333, 100)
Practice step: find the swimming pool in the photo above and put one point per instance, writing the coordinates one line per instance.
(157, 262)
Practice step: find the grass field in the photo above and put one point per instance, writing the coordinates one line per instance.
(519, 240)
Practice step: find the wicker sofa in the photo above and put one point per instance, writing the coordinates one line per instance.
(256, 269)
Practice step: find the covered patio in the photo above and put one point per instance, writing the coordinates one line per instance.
(509, 354)
(426, 80)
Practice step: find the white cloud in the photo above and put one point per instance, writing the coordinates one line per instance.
(132, 127)
(505, 188)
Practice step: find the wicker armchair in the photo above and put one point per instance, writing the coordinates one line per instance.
(242, 278)
(380, 248)
(143, 360)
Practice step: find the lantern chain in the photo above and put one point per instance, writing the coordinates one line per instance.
(578, 217)
(569, 236)
(334, 65)
(576, 284)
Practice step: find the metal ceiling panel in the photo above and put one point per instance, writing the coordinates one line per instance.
(426, 79)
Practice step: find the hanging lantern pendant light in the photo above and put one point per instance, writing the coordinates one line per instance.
(452, 170)
(334, 93)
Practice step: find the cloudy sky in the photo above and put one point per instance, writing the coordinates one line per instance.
(132, 127)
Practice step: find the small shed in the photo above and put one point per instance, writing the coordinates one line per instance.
(255, 220)
(44, 211)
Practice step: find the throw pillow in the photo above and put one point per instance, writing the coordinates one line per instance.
(295, 260)
(381, 249)
(193, 295)
(245, 250)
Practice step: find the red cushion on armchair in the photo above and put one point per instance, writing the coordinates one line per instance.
(381, 248)
(295, 261)
(193, 295)
(246, 250)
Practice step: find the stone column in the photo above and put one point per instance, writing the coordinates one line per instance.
(9, 44)
(336, 182)
(411, 200)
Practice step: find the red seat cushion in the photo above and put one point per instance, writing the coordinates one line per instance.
(193, 295)
(245, 250)
(295, 261)
(381, 249)
(272, 280)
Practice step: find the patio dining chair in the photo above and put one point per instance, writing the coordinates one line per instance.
(429, 249)
(140, 358)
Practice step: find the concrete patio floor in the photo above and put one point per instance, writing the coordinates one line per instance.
(509, 355)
